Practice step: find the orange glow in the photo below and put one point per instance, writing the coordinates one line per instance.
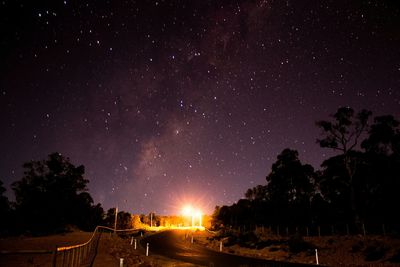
(195, 214)
(187, 210)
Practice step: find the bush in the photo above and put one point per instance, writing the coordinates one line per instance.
(396, 257)
(297, 244)
(357, 247)
(269, 242)
(248, 239)
(375, 251)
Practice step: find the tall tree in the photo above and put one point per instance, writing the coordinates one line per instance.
(4, 204)
(343, 133)
(51, 194)
(5, 210)
(384, 136)
(290, 186)
(257, 193)
(383, 155)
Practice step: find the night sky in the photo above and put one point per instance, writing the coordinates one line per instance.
(166, 102)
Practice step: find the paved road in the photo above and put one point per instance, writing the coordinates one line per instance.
(171, 245)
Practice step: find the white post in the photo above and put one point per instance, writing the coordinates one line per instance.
(115, 222)
(192, 239)
(147, 249)
(121, 262)
(220, 246)
(316, 256)
(135, 244)
(131, 240)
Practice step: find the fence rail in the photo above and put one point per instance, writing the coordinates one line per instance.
(80, 254)
(324, 229)
(69, 256)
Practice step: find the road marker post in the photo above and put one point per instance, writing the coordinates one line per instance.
(131, 240)
(147, 249)
(135, 244)
(121, 262)
(316, 256)
(192, 239)
(220, 246)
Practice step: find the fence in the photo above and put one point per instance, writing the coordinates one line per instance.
(81, 254)
(71, 256)
(324, 229)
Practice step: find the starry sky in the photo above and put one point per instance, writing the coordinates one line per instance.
(167, 102)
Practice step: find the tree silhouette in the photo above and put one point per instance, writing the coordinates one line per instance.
(383, 157)
(384, 136)
(257, 193)
(361, 183)
(290, 187)
(343, 134)
(51, 195)
(334, 185)
(5, 211)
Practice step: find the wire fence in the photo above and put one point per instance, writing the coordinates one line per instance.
(81, 254)
(325, 229)
(69, 256)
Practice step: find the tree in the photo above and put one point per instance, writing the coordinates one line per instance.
(51, 195)
(384, 136)
(290, 187)
(333, 182)
(343, 134)
(4, 203)
(258, 193)
(124, 220)
(383, 156)
(109, 219)
(136, 223)
(5, 210)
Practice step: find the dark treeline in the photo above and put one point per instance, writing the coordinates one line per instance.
(51, 197)
(359, 185)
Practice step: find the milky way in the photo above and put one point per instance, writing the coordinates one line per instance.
(167, 102)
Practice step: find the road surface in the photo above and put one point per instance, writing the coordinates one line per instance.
(172, 245)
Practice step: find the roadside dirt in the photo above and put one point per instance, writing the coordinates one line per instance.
(332, 250)
(110, 250)
(44, 243)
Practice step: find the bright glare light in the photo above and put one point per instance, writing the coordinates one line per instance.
(195, 214)
(187, 210)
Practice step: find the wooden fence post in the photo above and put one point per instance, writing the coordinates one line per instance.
(54, 263)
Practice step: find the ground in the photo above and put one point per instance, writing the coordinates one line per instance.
(332, 251)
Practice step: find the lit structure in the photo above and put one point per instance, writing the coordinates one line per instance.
(194, 214)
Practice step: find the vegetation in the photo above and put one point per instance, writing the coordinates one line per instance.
(357, 185)
(51, 196)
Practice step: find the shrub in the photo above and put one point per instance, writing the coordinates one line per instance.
(357, 247)
(396, 257)
(375, 251)
(297, 244)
